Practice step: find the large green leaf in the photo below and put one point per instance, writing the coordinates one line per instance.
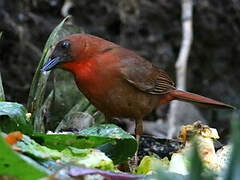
(116, 143)
(11, 164)
(13, 117)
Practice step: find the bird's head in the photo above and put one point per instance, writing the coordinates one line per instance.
(67, 51)
(63, 52)
(74, 49)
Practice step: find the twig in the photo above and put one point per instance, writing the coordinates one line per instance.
(68, 4)
(181, 64)
(2, 96)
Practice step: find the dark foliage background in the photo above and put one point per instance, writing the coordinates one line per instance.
(151, 28)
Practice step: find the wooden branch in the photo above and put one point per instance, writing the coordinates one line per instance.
(181, 64)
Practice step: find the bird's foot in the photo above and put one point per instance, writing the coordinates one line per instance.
(133, 162)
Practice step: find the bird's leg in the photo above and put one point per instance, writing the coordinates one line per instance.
(108, 119)
(138, 130)
(138, 133)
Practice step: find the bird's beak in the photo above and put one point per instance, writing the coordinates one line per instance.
(50, 64)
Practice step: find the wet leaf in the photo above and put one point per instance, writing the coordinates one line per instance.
(13, 118)
(87, 157)
(110, 139)
(12, 164)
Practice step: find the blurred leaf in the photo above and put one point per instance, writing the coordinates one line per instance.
(196, 166)
(110, 139)
(13, 118)
(39, 82)
(13, 165)
(150, 163)
(76, 171)
(34, 163)
(39, 125)
(233, 171)
(165, 175)
(92, 158)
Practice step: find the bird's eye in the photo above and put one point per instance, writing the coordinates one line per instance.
(65, 44)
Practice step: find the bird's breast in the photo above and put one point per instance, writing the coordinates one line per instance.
(94, 80)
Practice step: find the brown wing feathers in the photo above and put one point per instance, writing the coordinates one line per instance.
(162, 83)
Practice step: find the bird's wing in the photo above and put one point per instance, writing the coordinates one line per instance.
(143, 75)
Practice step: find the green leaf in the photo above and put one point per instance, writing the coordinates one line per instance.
(39, 82)
(13, 118)
(12, 164)
(91, 158)
(110, 139)
(233, 172)
(165, 175)
(30, 147)
(150, 163)
(196, 166)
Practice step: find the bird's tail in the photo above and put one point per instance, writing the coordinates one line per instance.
(199, 100)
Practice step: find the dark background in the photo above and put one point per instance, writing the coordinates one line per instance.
(151, 28)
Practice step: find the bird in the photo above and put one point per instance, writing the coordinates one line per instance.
(117, 81)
